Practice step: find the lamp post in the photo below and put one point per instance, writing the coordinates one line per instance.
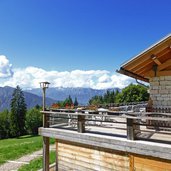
(44, 86)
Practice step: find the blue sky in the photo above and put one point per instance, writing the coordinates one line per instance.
(84, 35)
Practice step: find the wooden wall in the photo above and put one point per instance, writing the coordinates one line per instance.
(74, 157)
(149, 164)
(79, 157)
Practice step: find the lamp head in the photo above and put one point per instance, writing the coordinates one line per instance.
(44, 84)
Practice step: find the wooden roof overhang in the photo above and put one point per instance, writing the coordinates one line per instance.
(152, 62)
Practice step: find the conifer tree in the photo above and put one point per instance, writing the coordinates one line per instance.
(75, 102)
(18, 113)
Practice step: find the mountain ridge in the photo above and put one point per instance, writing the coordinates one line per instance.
(30, 99)
(34, 96)
(83, 95)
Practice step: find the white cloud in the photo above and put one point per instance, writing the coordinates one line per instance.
(30, 77)
(5, 67)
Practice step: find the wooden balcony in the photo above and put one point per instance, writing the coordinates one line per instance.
(140, 133)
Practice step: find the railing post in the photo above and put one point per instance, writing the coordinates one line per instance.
(133, 128)
(130, 129)
(81, 123)
(45, 120)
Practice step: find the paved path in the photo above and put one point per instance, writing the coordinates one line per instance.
(14, 165)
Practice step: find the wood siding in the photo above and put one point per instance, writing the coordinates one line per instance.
(77, 157)
(147, 164)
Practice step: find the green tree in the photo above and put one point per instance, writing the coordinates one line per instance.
(96, 100)
(68, 101)
(18, 113)
(133, 93)
(75, 102)
(33, 121)
(4, 124)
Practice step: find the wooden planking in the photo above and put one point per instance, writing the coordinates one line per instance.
(147, 54)
(156, 60)
(160, 56)
(165, 65)
(149, 164)
(158, 73)
(143, 69)
(158, 150)
(145, 57)
(90, 158)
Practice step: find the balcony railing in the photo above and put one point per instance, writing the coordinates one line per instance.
(129, 124)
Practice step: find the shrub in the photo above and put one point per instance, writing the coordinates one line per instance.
(34, 120)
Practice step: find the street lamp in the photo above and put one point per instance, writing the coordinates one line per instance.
(44, 86)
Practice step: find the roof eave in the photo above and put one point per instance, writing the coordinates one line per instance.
(130, 74)
(147, 50)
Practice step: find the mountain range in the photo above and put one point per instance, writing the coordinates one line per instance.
(83, 95)
(34, 96)
(30, 99)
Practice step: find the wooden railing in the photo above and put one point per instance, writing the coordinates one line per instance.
(79, 119)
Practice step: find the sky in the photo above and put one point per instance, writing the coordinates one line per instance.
(76, 43)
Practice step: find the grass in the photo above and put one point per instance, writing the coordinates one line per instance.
(37, 164)
(13, 148)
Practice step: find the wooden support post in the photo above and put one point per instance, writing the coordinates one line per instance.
(45, 120)
(130, 129)
(45, 145)
(81, 123)
(45, 153)
(57, 167)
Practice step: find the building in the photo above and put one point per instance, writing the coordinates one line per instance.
(153, 65)
(118, 144)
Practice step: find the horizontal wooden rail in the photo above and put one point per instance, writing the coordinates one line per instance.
(133, 120)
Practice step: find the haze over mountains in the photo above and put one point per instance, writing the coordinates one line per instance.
(34, 96)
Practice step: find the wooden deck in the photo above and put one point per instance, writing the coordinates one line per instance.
(91, 140)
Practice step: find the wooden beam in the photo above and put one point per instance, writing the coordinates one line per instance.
(164, 73)
(130, 74)
(145, 63)
(145, 70)
(131, 164)
(159, 150)
(142, 66)
(158, 73)
(57, 155)
(156, 60)
(150, 73)
(164, 65)
(45, 153)
(147, 55)
(81, 123)
(130, 129)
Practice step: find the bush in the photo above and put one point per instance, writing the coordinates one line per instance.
(34, 120)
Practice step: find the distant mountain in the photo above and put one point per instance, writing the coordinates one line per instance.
(30, 99)
(83, 94)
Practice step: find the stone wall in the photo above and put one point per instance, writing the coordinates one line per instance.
(160, 91)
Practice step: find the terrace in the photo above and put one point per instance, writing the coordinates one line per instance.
(140, 132)
(140, 125)
(130, 137)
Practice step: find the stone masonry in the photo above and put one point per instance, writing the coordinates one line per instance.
(160, 91)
